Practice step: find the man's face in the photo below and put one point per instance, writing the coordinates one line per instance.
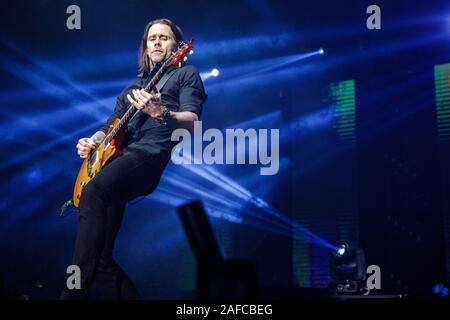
(160, 42)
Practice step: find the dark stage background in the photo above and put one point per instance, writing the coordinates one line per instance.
(364, 139)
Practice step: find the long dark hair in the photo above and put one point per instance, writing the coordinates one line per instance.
(145, 64)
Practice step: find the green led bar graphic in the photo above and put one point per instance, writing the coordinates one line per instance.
(342, 96)
(187, 279)
(226, 237)
(301, 256)
(442, 87)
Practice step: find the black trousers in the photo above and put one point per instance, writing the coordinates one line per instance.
(101, 211)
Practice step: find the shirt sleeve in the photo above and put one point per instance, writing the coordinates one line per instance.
(192, 92)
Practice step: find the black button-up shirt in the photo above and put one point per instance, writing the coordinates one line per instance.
(184, 91)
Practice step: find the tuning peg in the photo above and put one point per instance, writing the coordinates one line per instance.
(185, 59)
(191, 52)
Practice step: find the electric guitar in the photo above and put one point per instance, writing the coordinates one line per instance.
(111, 146)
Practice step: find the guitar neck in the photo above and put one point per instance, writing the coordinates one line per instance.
(131, 110)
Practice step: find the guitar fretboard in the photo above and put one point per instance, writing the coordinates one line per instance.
(131, 109)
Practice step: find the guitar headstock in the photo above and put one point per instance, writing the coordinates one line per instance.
(183, 50)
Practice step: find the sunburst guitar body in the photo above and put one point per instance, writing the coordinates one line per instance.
(97, 160)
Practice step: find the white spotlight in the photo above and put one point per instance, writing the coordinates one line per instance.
(340, 251)
(215, 72)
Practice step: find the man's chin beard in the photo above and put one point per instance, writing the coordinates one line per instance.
(157, 60)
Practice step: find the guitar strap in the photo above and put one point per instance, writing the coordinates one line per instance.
(164, 79)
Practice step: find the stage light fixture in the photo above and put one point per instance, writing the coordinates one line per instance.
(348, 270)
(440, 290)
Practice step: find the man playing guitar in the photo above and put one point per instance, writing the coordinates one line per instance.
(146, 151)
